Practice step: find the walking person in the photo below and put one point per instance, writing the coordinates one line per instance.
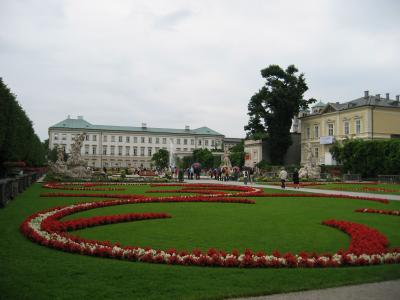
(296, 179)
(245, 177)
(283, 177)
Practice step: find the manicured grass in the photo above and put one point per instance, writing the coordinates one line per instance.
(30, 271)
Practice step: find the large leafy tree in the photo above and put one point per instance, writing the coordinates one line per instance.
(161, 159)
(18, 141)
(273, 107)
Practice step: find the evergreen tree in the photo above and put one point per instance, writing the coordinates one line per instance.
(273, 107)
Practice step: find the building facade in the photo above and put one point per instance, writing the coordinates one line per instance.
(368, 118)
(124, 146)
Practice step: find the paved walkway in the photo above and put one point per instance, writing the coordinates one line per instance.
(387, 290)
(308, 190)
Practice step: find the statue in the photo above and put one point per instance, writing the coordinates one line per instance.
(75, 166)
(310, 168)
(226, 162)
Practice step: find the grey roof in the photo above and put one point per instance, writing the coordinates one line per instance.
(80, 123)
(362, 101)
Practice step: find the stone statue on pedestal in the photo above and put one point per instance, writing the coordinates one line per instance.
(310, 168)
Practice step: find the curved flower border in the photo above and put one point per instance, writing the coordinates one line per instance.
(367, 247)
(379, 211)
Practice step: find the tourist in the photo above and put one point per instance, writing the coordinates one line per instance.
(283, 177)
(245, 176)
(296, 180)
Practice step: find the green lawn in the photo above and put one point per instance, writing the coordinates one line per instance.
(30, 271)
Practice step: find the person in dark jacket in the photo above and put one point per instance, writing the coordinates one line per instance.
(296, 180)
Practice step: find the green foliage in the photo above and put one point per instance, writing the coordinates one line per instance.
(237, 155)
(263, 165)
(368, 158)
(161, 159)
(18, 141)
(204, 157)
(273, 107)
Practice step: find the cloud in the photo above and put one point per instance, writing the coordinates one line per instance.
(179, 62)
(171, 20)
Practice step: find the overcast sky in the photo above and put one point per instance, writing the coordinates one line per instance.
(176, 63)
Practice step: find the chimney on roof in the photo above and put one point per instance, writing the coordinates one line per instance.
(69, 117)
(387, 96)
(187, 127)
(366, 94)
(144, 125)
(80, 117)
(378, 97)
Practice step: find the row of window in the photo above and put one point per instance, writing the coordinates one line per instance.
(112, 150)
(346, 129)
(142, 139)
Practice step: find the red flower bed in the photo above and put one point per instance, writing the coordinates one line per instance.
(379, 211)
(367, 247)
(79, 186)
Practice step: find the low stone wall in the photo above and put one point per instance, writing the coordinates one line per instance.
(11, 187)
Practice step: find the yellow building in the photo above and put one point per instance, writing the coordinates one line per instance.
(368, 117)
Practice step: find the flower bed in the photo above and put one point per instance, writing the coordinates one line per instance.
(379, 211)
(367, 247)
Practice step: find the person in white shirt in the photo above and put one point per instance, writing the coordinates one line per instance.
(283, 176)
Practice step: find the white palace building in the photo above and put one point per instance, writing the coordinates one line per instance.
(124, 146)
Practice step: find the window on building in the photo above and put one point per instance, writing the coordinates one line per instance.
(56, 137)
(178, 141)
(135, 139)
(149, 151)
(178, 149)
(199, 142)
(206, 142)
(346, 128)
(120, 150)
(94, 138)
(112, 150)
(157, 148)
(142, 139)
(134, 151)
(358, 126)
(150, 140)
(316, 132)
(87, 137)
(64, 137)
(185, 149)
(165, 148)
(127, 139)
(87, 149)
(104, 138)
(185, 141)
(191, 141)
(94, 150)
(308, 133)
(127, 150)
(212, 143)
(120, 139)
(330, 129)
(157, 140)
(112, 138)
(164, 140)
(104, 150)
(142, 151)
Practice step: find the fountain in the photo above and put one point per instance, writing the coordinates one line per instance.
(171, 154)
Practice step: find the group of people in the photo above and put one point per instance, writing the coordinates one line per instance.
(283, 176)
